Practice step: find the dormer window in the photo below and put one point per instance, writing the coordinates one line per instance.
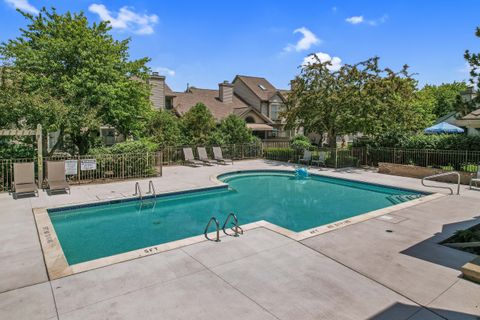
(262, 87)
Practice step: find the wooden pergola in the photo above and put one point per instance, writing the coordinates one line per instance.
(38, 135)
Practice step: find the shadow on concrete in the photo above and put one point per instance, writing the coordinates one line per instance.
(433, 251)
(403, 311)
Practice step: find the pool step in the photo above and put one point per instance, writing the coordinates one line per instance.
(400, 198)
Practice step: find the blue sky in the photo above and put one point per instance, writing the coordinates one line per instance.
(206, 42)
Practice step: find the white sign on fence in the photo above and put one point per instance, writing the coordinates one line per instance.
(88, 164)
(71, 166)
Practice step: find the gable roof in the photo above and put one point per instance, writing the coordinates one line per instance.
(168, 91)
(446, 117)
(184, 101)
(242, 112)
(259, 86)
(474, 115)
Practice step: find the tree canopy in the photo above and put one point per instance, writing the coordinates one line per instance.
(473, 59)
(441, 99)
(197, 124)
(164, 129)
(355, 98)
(72, 76)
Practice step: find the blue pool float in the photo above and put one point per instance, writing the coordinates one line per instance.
(301, 173)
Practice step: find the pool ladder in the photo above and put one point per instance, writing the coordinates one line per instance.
(138, 190)
(151, 190)
(237, 230)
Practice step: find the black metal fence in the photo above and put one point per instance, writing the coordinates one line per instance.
(458, 160)
(91, 168)
(110, 167)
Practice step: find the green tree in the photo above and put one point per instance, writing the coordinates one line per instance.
(301, 142)
(233, 129)
(61, 58)
(441, 99)
(164, 129)
(197, 125)
(356, 98)
(473, 60)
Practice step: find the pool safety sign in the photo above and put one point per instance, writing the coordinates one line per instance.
(71, 166)
(88, 164)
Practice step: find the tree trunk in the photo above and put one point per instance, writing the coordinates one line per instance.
(332, 138)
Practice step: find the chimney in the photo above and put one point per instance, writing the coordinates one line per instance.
(158, 91)
(225, 92)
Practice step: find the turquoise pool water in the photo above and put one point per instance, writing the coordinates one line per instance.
(93, 232)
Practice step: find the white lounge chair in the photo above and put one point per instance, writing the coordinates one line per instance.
(476, 178)
(218, 156)
(307, 157)
(322, 157)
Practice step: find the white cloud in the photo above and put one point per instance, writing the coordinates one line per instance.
(355, 19)
(126, 19)
(23, 5)
(336, 62)
(165, 71)
(308, 39)
(362, 20)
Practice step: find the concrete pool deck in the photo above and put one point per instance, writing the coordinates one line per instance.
(360, 271)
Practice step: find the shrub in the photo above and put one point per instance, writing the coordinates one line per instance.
(423, 141)
(16, 151)
(281, 154)
(141, 161)
(139, 146)
(300, 142)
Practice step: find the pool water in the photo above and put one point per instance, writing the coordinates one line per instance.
(88, 233)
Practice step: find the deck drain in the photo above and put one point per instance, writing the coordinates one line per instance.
(389, 231)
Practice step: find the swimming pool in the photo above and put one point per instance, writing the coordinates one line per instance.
(101, 230)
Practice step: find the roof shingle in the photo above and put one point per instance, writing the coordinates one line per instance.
(184, 101)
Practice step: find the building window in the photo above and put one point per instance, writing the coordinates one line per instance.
(264, 109)
(274, 110)
(168, 103)
(249, 119)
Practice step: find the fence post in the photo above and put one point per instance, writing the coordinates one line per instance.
(336, 158)
(123, 166)
(79, 174)
(161, 163)
(40, 155)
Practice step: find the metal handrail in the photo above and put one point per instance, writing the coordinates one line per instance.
(236, 227)
(443, 175)
(138, 190)
(217, 226)
(151, 189)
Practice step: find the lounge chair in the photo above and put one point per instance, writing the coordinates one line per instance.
(322, 157)
(476, 178)
(218, 156)
(24, 179)
(202, 156)
(56, 178)
(190, 159)
(307, 157)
